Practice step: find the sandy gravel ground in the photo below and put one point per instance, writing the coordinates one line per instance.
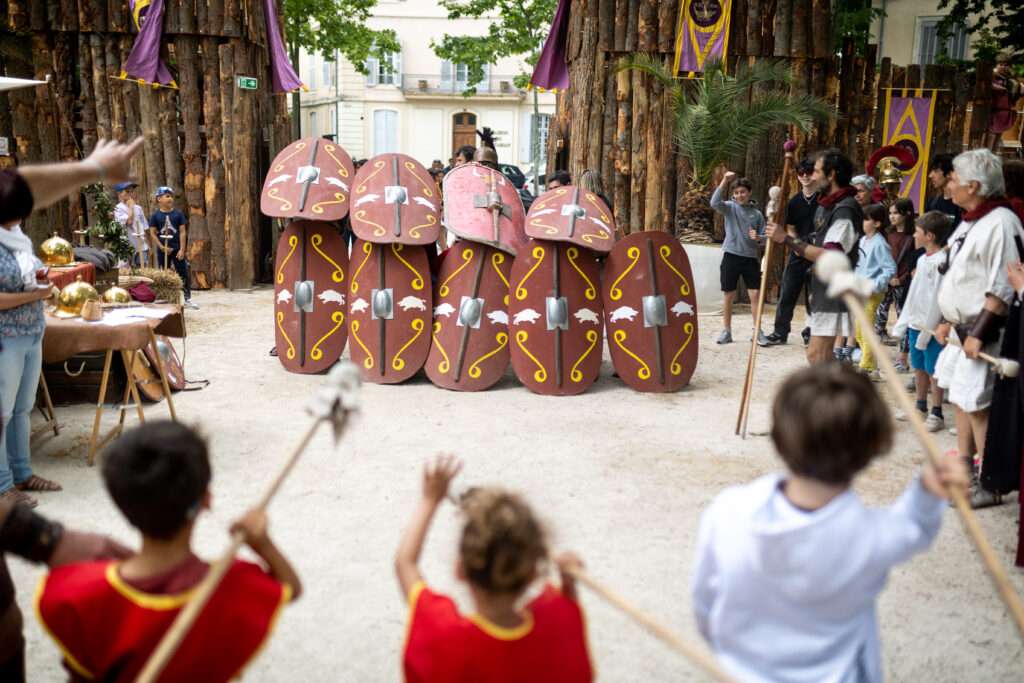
(620, 477)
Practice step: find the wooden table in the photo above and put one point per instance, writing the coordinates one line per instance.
(66, 337)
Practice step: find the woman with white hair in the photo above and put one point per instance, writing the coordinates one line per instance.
(974, 298)
(865, 187)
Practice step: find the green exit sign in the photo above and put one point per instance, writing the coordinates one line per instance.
(246, 82)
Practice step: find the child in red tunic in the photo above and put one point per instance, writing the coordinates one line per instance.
(500, 552)
(108, 617)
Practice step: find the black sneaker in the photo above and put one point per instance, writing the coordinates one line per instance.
(805, 334)
(773, 339)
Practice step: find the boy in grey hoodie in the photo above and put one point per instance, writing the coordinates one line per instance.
(790, 566)
(744, 229)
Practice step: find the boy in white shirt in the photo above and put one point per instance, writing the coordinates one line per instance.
(790, 566)
(921, 314)
(129, 214)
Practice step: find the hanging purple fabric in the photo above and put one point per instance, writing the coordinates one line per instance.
(282, 74)
(144, 60)
(552, 72)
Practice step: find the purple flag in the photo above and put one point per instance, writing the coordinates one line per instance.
(282, 74)
(144, 61)
(908, 123)
(551, 72)
(702, 34)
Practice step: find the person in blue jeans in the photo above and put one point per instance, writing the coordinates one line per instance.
(168, 229)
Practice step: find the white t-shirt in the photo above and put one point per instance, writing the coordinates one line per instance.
(921, 309)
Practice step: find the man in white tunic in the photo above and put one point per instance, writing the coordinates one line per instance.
(838, 223)
(974, 299)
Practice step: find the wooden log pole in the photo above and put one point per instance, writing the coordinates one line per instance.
(655, 157)
(187, 49)
(241, 242)
(623, 149)
(638, 155)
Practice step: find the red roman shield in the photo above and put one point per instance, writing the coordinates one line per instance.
(395, 200)
(390, 303)
(310, 178)
(650, 310)
(569, 214)
(470, 334)
(556, 318)
(309, 296)
(482, 205)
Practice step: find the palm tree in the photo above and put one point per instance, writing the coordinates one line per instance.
(715, 122)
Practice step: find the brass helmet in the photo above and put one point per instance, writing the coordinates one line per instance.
(73, 297)
(57, 251)
(485, 155)
(116, 295)
(889, 172)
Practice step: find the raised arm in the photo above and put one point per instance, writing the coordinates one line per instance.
(108, 163)
(254, 526)
(437, 476)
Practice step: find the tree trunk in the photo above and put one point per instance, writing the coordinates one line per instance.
(187, 50)
(149, 111)
(101, 86)
(168, 117)
(623, 149)
(213, 194)
(753, 27)
(798, 41)
(668, 163)
(783, 23)
(608, 132)
(87, 98)
(820, 21)
(647, 26)
(668, 13)
(595, 127)
(240, 237)
(655, 157)
(632, 25)
(639, 153)
(621, 27)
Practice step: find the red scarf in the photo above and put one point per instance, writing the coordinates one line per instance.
(983, 208)
(842, 193)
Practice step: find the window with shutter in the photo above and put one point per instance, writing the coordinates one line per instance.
(385, 131)
(446, 75)
(372, 71)
(929, 43)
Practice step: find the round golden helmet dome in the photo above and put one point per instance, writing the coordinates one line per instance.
(116, 295)
(57, 251)
(73, 297)
(889, 172)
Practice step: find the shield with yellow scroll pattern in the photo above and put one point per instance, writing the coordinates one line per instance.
(555, 318)
(310, 278)
(650, 310)
(571, 214)
(389, 305)
(482, 205)
(394, 199)
(469, 349)
(310, 178)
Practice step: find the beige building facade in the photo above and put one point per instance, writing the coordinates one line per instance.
(417, 106)
(908, 33)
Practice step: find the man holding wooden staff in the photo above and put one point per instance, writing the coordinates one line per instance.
(974, 298)
(838, 223)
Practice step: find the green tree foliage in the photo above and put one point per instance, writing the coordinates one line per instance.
(326, 26)
(516, 28)
(853, 19)
(713, 119)
(1000, 23)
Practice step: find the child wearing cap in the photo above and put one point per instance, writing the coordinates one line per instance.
(168, 229)
(129, 214)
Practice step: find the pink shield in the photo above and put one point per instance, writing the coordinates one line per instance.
(482, 205)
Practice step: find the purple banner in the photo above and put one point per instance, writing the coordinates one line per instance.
(908, 123)
(144, 61)
(282, 74)
(702, 34)
(551, 72)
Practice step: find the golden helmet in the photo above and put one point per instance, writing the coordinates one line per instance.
(73, 297)
(889, 172)
(117, 295)
(57, 251)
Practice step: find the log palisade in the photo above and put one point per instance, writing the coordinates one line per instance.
(207, 139)
(627, 117)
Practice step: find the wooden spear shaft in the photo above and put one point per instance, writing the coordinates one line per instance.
(970, 521)
(187, 616)
(697, 656)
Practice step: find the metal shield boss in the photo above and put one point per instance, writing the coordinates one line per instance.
(309, 296)
(470, 332)
(310, 178)
(555, 317)
(394, 199)
(482, 205)
(390, 303)
(650, 309)
(570, 214)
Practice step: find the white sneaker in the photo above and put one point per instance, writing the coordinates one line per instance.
(952, 431)
(189, 304)
(901, 416)
(934, 423)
